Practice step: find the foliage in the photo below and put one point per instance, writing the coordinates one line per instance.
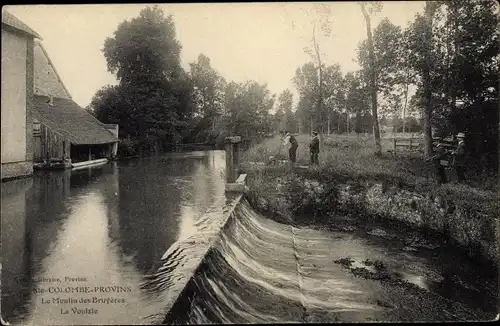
(457, 71)
(247, 107)
(152, 101)
(207, 95)
(285, 104)
(448, 52)
(331, 92)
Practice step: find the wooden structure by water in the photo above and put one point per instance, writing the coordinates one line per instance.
(64, 134)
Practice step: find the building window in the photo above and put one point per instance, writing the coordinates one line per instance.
(37, 128)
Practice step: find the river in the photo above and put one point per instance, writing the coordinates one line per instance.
(106, 231)
(109, 225)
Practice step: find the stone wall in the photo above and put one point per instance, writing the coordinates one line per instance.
(16, 170)
(475, 229)
(29, 99)
(14, 95)
(17, 104)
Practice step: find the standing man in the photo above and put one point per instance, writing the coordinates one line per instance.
(285, 142)
(314, 148)
(440, 162)
(459, 155)
(292, 142)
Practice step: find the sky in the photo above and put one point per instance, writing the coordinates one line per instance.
(245, 41)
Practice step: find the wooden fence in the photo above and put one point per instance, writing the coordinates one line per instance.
(401, 144)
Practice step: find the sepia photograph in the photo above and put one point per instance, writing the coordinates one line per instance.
(250, 162)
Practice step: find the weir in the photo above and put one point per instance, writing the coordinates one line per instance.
(183, 259)
(241, 267)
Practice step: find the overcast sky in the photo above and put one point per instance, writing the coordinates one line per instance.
(245, 41)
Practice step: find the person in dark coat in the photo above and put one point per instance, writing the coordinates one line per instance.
(459, 157)
(292, 152)
(314, 149)
(439, 159)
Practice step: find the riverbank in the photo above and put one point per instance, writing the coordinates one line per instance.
(350, 183)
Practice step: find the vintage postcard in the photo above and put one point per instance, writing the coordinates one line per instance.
(274, 162)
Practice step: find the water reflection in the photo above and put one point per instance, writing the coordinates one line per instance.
(109, 225)
(16, 248)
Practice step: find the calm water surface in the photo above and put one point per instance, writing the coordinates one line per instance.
(106, 227)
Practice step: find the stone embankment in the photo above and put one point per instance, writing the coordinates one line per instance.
(470, 224)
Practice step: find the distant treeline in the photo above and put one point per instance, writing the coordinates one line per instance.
(449, 53)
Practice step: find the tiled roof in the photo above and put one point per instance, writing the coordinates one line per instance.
(71, 121)
(47, 80)
(13, 21)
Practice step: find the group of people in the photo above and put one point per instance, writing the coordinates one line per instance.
(442, 160)
(290, 143)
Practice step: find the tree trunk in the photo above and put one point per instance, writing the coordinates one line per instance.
(328, 121)
(373, 84)
(430, 8)
(404, 107)
(451, 68)
(319, 109)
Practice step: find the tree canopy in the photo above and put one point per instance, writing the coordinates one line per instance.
(442, 69)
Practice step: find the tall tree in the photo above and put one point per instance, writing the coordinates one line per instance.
(307, 83)
(144, 55)
(208, 97)
(430, 9)
(421, 55)
(333, 94)
(208, 87)
(248, 105)
(285, 104)
(375, 6)
(356, 97)
(454, 51)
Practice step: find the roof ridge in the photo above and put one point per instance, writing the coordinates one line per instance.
(37, 42)
(14, 22)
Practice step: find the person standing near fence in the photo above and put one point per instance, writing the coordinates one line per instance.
(314, 148)
(440, 162)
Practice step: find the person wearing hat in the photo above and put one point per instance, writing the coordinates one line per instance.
(459, 157)
(440, 162)
(291, 144)
(314, 148)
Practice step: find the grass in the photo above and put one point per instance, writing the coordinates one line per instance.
(353, 157)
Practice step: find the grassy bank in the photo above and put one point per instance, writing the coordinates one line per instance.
(351, 180)
(352, 157)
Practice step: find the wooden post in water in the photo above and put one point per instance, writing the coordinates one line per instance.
(232, 158)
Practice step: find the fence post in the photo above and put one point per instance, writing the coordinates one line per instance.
(394, 145)
(410, 145)
(232, 158)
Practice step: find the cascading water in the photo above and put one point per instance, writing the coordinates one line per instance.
(260, 271)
